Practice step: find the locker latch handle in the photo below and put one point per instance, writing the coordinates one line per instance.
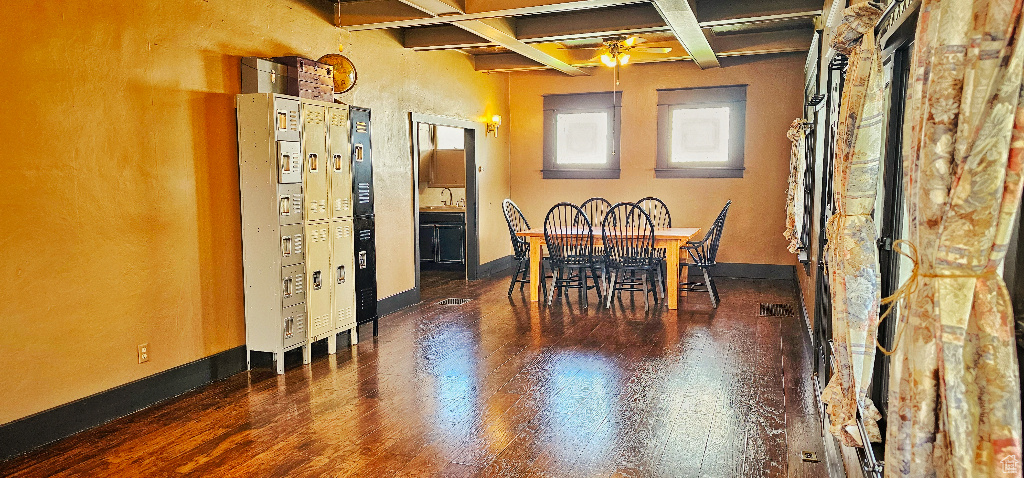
(286, 205)
(337, 162)
(314, 163)
(317, 283)
(341, 274)
(362, 259)
(359, 152)
(286, 245)
(289, 327)
(286, 163)
(288, 287)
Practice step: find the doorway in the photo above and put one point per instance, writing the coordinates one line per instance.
(445, 196)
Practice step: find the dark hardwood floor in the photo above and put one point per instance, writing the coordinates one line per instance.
(496, 387)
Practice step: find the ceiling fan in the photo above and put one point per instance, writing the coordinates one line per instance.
(615, 51)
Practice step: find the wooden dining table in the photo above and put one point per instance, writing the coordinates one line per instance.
(670, 238)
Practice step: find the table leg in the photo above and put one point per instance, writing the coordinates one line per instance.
(535, 275)
(672, 269)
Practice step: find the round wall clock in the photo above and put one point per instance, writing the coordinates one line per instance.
(344, 71)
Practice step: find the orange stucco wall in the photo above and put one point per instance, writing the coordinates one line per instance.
(753, 231)
(120, 177)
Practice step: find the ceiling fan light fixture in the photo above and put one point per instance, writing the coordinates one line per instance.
(607, 60)
(630, 41)
(624, 59)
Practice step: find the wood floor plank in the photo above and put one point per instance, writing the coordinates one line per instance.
(499, 386)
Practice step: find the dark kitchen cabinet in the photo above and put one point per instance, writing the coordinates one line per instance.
(442, 238)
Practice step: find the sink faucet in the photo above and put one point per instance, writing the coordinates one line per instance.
(450, 197)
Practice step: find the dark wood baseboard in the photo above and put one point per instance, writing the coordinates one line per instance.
(750, 271)
(497, 267)
(33, 431)
(398, 302)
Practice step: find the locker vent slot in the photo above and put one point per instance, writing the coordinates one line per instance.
(338, 119)
(453, 301)
(775, 310)
(362, 127)
(364, 235)
(321, 322)
(363, 193)
(367, 299)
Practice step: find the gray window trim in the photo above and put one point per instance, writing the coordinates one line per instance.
(581, 103)
(734, 97)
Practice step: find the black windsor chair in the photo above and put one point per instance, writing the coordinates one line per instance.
(658, 210)
(570, 242)
(703, 255)
(628, 236)
(520, 246)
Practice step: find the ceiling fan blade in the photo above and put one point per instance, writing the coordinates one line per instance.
(580, 48)
(652, 49)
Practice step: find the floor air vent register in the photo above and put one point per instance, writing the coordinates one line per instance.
(775, 310)
(453, 301)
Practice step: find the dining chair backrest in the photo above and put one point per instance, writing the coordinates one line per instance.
(516, 223)
(568, 234)
(714, 235)
(657, 210)
(595, 209)
(707, 251)
(627, 234)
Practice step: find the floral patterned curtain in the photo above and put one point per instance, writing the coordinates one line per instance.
(795, 193)
(853, 259)
(954, 394)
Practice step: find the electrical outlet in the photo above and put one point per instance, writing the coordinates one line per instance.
(143, 353)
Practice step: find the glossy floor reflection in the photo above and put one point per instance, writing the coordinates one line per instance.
(496, 387)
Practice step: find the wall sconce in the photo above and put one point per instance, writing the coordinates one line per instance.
(493, 124)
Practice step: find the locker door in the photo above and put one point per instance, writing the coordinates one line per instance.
(292, 285)
(366, 269)
(340, 163)
(362, 161)
(343, 300)
(291, 244)
(289, 162)
(286, 119)
(318, 275)
(314, 150)
(289, 203)
(294, 326)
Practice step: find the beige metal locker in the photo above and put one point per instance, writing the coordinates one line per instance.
(343, 300)
(287, 177)
(314, 152)
(341, 157)
(270, 180)
(318, 277)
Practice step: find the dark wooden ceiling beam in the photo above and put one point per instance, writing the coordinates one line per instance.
(497, 31)
(720, 10)
(441, 37)
(372, 12)
(593, 23)
(577, 5)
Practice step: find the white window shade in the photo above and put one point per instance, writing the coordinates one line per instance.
(700, 135)
(582, 138)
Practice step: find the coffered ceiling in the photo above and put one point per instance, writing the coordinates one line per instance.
(565, 35)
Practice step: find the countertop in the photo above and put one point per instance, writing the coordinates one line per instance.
(459, 209)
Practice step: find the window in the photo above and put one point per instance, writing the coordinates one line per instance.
(700, 132)
(451, 138)
(581, 136)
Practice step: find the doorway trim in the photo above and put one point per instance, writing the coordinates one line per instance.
(473, 130)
